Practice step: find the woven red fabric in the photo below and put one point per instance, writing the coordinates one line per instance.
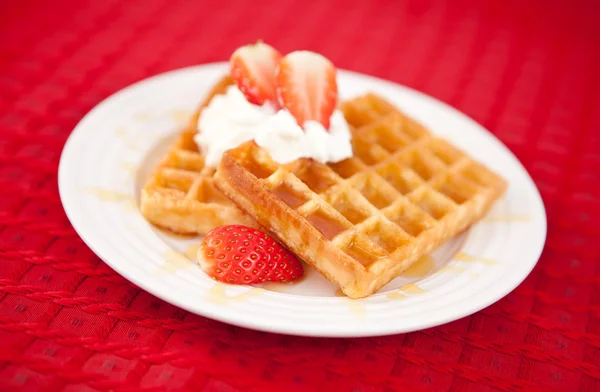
(526, 70)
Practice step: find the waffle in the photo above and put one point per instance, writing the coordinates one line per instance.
(363, 221)
(181, 195)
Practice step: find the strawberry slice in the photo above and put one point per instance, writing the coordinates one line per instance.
(252, 68)
(306, 87)
(237, 254)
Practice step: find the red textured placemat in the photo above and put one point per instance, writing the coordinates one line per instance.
(527, 70)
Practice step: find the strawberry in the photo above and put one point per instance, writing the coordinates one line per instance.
(252, 68)
(306, 87)
(240, 255)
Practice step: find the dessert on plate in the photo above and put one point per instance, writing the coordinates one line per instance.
(358, 190)
(363, 221)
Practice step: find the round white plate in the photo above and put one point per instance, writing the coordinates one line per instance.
(114, 148)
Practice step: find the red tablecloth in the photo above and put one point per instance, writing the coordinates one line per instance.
(527, 70)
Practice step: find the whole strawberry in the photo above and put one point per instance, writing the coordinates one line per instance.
(237, 254)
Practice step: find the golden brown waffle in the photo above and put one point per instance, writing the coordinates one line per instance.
(363, 221)
(181, 195)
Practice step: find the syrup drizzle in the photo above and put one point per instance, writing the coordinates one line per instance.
(142, 117)
(130, 168)
(112, 196)
(174, 261)
(218, 295)
(453, 268)
(396, 296)
(129, 142)
(108, 195)
(180, 117)
(192, 251)
(421, 268)
(462, 256)
(357, 307)
(412, 288)
(508, 218)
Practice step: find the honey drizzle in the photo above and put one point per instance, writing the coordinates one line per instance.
(326, 225)
(362, 255)
(508, 218)
(462, 256)
(180, 117)
(128, 167)
(218, 295)
(289, 196)
(357, 307)
(421, 268)
(174, 261)
(452, 268)
(192, 251)
(129, 142)
(277, 287)
(412, 288)
(142, 117)
(396, 295)
(108, 195)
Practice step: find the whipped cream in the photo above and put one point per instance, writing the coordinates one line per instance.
(230, 120)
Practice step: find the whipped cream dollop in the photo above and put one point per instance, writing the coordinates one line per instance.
(230, 120)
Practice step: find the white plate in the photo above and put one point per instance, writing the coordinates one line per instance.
(114, 147)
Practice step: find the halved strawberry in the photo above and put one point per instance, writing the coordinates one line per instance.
(237, 254)
(252, 68)
(306, 86)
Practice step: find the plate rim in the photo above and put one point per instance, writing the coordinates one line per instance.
(292, 329)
